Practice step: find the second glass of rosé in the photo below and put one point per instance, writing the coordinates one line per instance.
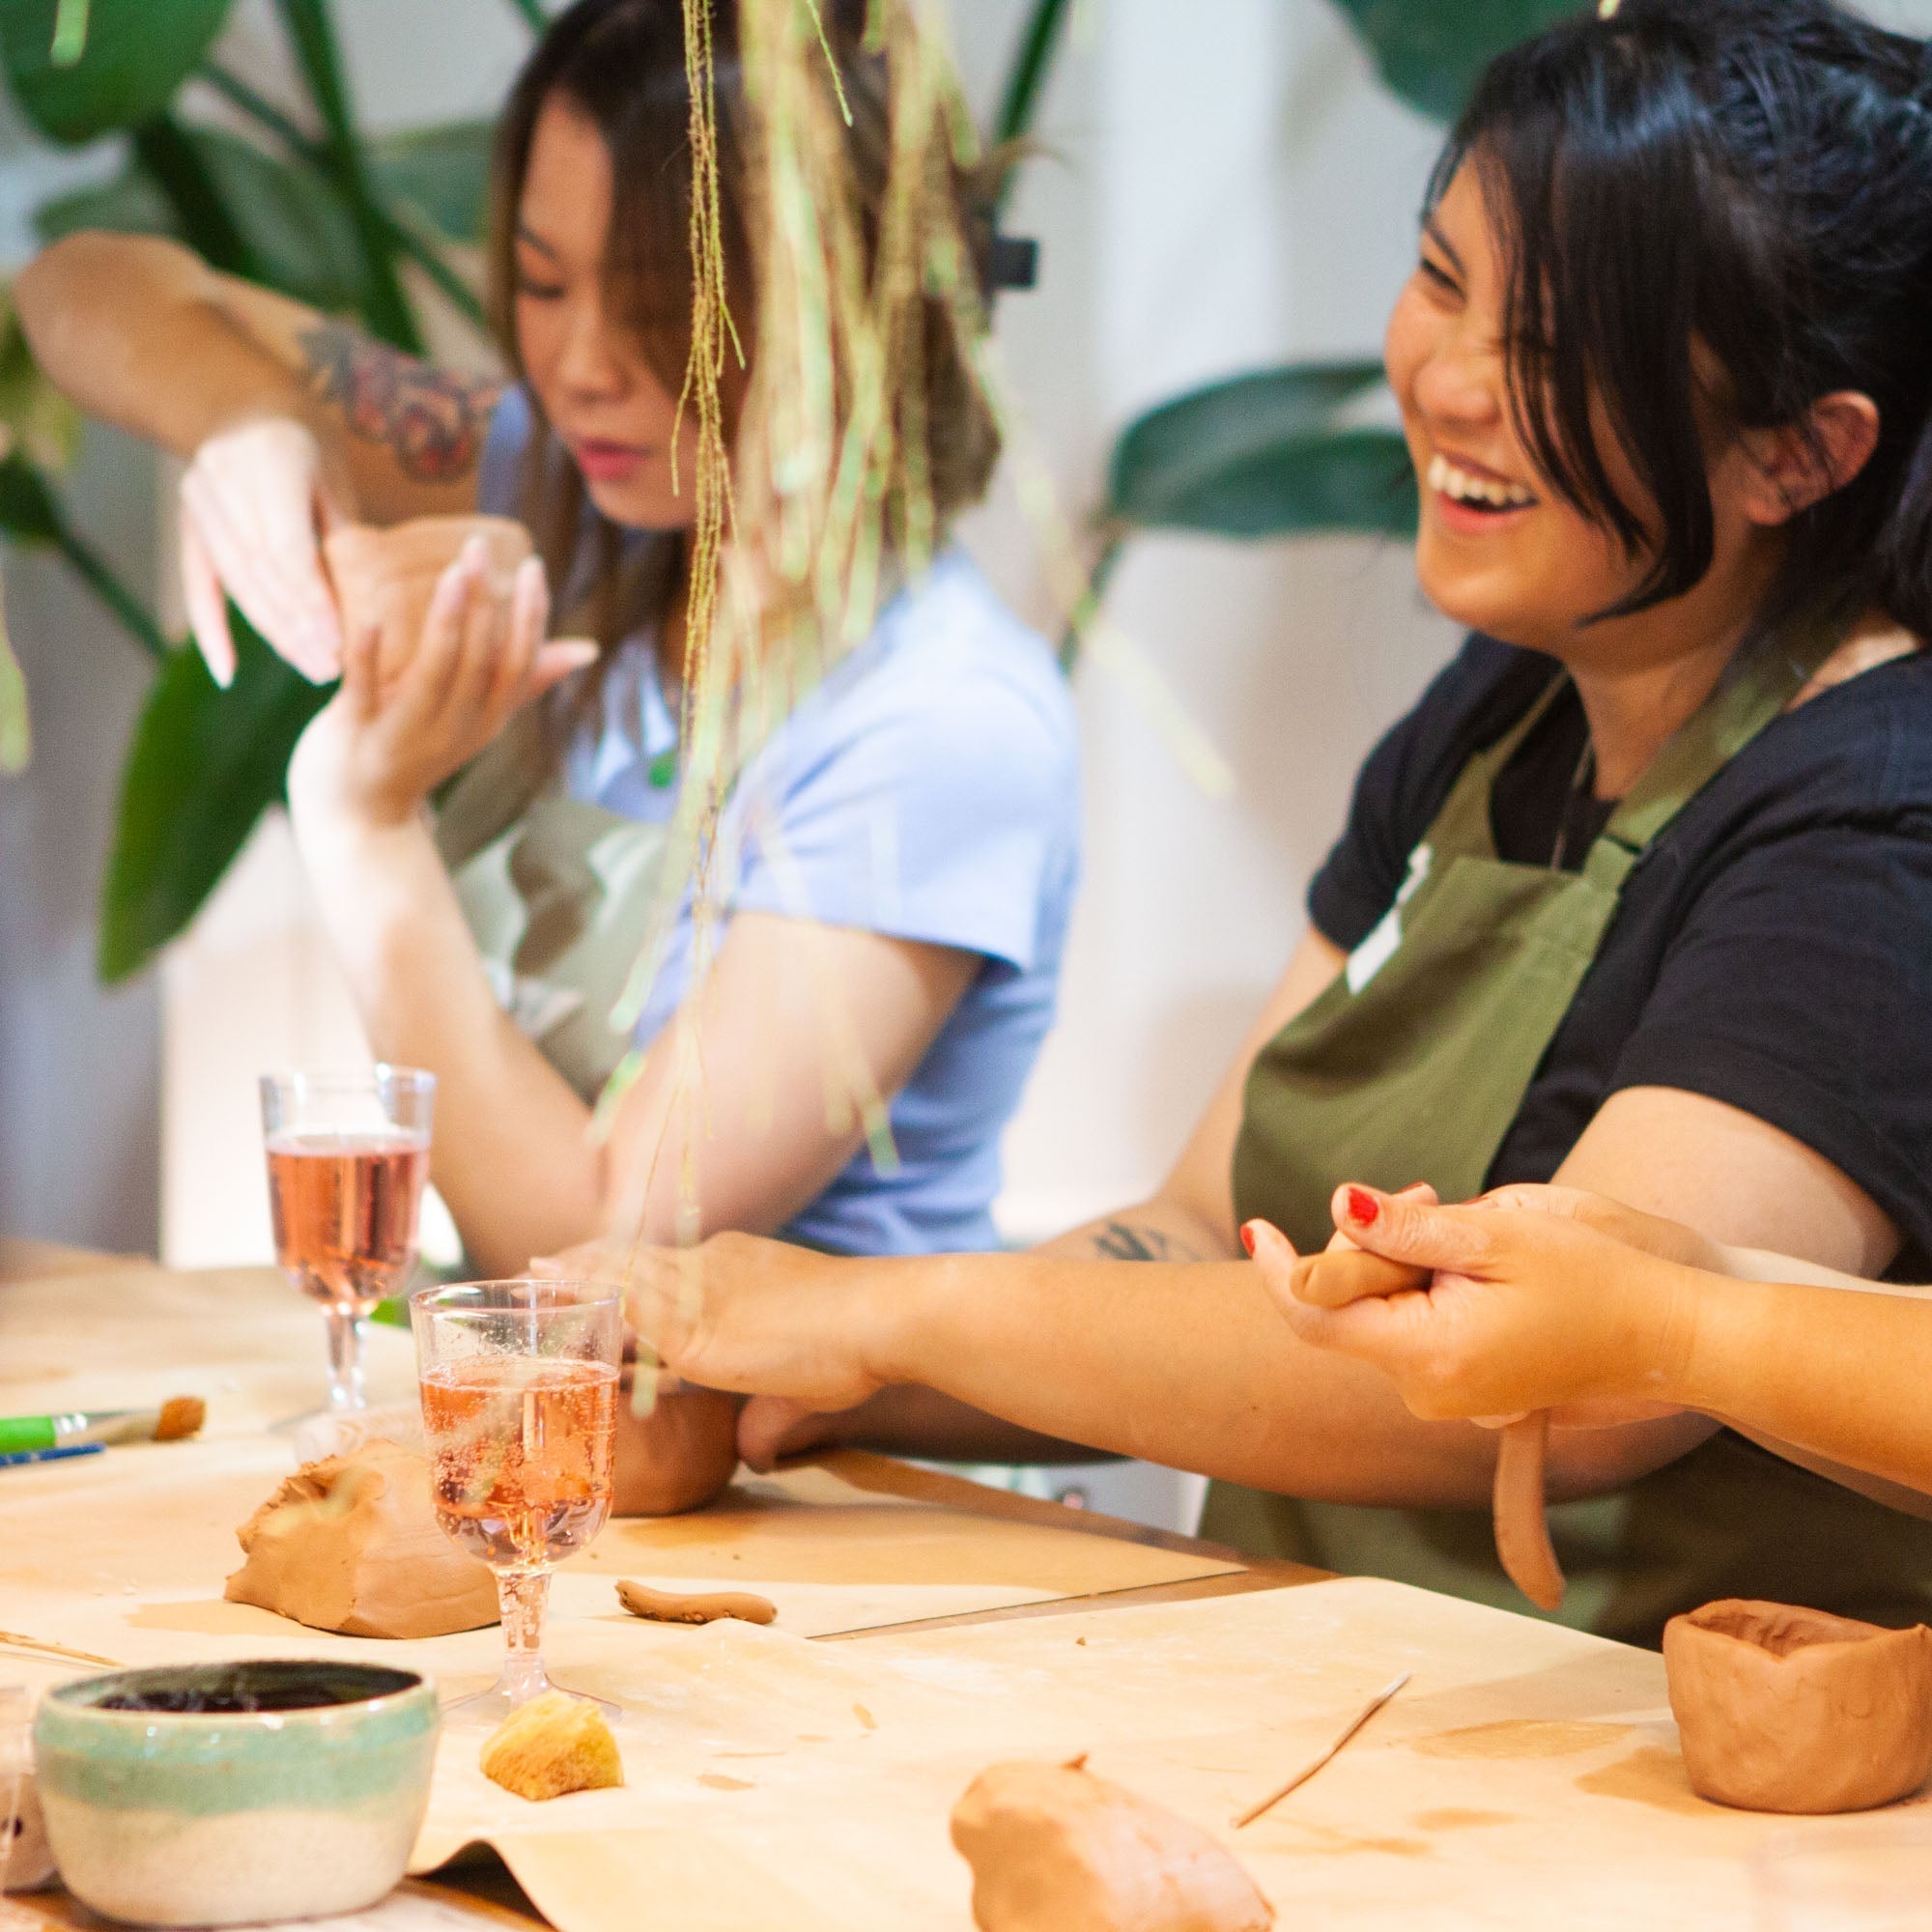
(348, 1156)
(519, 1382)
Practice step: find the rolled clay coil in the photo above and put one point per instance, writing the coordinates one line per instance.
(1516, 1500)
(662, 1607)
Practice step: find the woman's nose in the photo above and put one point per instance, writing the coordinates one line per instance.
(592, 363)
(1461, 380)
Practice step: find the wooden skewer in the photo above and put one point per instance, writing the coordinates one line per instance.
(1309, 1770)
(13, 1640)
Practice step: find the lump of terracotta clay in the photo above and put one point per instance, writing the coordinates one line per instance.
(663, 1606)
(351, 1544)
(1792, 1710)
(552, 1745)
(384, 577)
(1054, 1849)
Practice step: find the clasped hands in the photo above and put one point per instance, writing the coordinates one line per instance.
(1536, 1297)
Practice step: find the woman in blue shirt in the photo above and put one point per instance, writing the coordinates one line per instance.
(899, 854)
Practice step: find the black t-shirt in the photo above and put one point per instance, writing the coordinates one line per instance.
(1771, 950)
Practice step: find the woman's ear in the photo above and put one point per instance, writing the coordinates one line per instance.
(1793, 468)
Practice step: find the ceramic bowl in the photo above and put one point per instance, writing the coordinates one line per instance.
(221, 1794)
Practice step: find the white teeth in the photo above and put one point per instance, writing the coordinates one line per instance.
(1450, 481)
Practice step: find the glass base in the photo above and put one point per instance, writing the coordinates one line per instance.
(510, 1692)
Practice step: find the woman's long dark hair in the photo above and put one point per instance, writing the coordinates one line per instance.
(1747, 179)
(621, 63)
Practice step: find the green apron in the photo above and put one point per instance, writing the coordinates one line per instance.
(1411, 1067)
(559, 895)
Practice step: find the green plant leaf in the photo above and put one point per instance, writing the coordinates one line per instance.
(28, 512)
(203, 766)
(287, 220)
(16, 738)
(35, 417)
(1261, 455)
(441, 172)
(138, 53)
(1429, 52)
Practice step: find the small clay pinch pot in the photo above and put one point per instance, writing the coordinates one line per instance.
(1782, 1709)
(386, 577)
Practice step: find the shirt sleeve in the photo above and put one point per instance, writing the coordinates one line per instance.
(1799, 991)
(504, 445)
(943, 812)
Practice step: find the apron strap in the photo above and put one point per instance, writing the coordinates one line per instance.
(1755, 689)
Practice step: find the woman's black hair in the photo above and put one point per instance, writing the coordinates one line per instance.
(1751, 178)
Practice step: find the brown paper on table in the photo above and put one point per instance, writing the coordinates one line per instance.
(1527, 1778)
(125, 1553)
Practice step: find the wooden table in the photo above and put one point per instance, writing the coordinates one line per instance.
(902, 1495)
(799, 1777)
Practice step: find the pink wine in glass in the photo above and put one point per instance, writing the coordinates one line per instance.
(520, 1455)
(344, 1212)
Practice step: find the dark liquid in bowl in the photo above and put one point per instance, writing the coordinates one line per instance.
(238, 1689)
(201, 1703)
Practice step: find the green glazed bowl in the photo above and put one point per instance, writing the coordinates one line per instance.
(228, 1794)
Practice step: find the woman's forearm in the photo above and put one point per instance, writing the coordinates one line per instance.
(1192, 1367)
(1841, 1374)
(133, 328)
(511, 1152)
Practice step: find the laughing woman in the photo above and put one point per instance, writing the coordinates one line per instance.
(1638, 896)
(902, 846)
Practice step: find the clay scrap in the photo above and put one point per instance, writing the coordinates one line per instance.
(1055, 1849)
(1782, 1709)
(554, 1745)
(351, 1544)
(662, 1607)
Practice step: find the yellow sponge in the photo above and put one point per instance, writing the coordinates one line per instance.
(553, 1743)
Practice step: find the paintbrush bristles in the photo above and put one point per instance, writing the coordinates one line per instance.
(181, 1415)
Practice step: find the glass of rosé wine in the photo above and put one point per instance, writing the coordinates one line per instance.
(519, 1382)
(348, 1156)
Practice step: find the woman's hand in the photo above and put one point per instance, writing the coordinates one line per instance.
(255, 505)
(1527, 1310)
(373, 755)
(676, 1457)
(806, 1332)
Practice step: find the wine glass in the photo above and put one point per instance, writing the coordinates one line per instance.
(348, 1156)
(519, 1383)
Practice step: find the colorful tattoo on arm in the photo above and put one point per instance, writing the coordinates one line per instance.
(1122, 1241)
(434, 420)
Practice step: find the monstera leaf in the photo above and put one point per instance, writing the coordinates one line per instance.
(135, 55)
(442, 173)
(1429, 52)
(203, 764)
(285, 217)
(1265, 455)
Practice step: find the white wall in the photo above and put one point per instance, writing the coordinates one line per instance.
(1211, 199)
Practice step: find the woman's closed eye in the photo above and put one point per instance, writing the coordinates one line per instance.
(531, 287)
(1438, 277)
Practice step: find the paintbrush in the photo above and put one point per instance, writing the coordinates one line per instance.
(179, 1416)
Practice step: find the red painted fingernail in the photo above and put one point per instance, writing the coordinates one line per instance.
(1363, 1207)
(1248, 1235)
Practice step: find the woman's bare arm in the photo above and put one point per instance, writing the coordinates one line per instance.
(141, 332)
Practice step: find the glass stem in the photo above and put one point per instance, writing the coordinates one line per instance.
(523, 1596)
(345, 1392)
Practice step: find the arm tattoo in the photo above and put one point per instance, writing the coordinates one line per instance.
(433, 419)
(1122, 1241)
